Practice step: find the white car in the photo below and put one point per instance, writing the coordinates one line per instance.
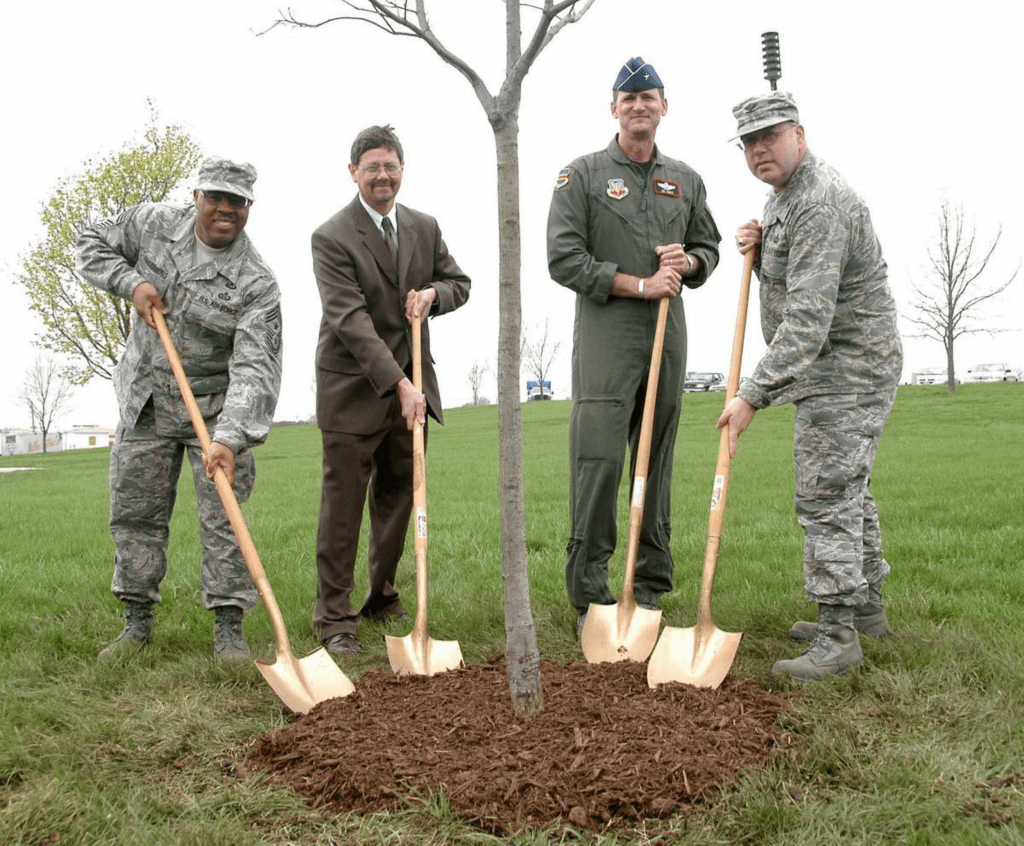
(930, 376)
(992, 373)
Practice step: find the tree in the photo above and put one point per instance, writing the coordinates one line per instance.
(46, 393)
(946, 306)
(409, 18)
(476, 379)
(538, 356)
(87, 324)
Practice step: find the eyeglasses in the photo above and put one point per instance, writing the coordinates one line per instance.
(373, 169)
(767, 136)
(233, 200)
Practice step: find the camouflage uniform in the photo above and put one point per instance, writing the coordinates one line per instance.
(833, 349)
(225, 318)
(607, 215)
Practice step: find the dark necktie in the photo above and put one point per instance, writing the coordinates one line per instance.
(389, 239)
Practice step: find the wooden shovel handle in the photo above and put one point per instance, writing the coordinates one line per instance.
(419, 489)
(227, 496)
(721, 485)
(638, 492)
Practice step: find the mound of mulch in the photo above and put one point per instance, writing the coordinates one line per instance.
(606, 750)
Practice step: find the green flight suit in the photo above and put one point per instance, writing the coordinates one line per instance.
(607, 215)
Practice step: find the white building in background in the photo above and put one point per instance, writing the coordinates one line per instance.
(88, 437)
(27, 442)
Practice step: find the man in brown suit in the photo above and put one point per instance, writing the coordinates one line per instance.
(371, 288)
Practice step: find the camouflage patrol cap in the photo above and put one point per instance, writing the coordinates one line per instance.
(763, 111)
(217, 174)
(637, 75)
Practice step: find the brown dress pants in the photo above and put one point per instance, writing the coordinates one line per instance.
(380, 463)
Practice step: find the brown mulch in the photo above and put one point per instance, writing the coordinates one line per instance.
(606, 750)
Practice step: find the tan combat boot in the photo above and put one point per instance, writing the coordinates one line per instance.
(138, 623)
(834, 650)
(228, 640)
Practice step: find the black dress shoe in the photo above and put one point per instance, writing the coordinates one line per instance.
(343, 644)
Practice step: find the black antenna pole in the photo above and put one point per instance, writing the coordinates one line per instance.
(772, 57)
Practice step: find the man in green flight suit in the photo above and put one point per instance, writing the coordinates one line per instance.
(628, 226)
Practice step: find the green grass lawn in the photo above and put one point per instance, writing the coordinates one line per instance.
(925, 745)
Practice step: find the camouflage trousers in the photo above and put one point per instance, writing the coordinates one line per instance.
(834, 447)
(144, 471)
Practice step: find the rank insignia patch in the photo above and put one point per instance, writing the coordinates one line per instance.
(617, 189)
(667, 188)
(563, 178)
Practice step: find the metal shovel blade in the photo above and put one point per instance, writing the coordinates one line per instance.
(301, 683)
(422, 656)
(701, 656)
(620, 632)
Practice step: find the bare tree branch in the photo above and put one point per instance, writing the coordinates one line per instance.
(946, 305)
(46, 393)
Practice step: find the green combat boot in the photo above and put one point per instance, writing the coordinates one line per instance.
(138, 623)
(834, 650)
(228, 641)
(869, 618)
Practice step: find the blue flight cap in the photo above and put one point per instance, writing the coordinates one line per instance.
(637, 75)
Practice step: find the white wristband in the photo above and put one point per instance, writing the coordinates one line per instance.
(640, 288)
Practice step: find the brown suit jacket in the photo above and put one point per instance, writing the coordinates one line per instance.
(364, 347)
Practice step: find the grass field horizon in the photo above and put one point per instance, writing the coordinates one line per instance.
(924, 745)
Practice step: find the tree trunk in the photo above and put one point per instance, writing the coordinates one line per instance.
(521, 652)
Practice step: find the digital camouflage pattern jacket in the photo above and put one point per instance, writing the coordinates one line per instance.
(827, 313)
(224, 316)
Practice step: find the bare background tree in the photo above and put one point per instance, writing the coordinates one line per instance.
(946, 306)
(539, 355)
(409, 18)
(475, 379)
(46, 394)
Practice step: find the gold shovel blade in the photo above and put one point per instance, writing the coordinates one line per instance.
(701, 656)
(422, 656)
(619, 632)
(302, 683)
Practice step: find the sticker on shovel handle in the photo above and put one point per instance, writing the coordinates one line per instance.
(638, 492)
(421, 522)
(716, 491)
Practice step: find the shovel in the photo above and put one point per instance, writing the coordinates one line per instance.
(624, 631)
(416, 653)
(702, 656)
(301, 683)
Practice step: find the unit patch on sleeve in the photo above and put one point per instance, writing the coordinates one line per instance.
(564, 175)
(667, 188)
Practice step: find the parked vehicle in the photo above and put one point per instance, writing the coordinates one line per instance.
(697, 381)
(538, 391)
(930, 376)
(999, 372)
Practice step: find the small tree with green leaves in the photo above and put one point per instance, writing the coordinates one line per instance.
(88, 325)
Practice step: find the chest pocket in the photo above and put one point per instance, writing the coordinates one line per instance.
(774, 251)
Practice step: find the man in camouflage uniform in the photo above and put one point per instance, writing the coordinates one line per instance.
(223, 309)
(628, 226)
(834, 350)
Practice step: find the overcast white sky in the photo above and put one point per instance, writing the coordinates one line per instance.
(912, 103)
